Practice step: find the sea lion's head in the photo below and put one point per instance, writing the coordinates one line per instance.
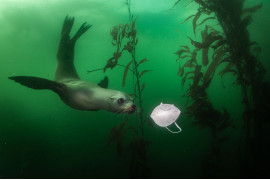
(122, 103)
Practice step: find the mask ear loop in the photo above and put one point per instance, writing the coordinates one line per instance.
(176, 131)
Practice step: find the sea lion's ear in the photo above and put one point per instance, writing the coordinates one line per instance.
(113, 97)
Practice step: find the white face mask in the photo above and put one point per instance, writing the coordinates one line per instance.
(165, 115)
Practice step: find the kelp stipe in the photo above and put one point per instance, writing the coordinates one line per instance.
(124, 38)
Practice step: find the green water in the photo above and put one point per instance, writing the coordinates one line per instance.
(41, 137)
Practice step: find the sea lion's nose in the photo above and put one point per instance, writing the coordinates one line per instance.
(134, 107)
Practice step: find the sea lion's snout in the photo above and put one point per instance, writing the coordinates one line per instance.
(131, 109)
(134, 107)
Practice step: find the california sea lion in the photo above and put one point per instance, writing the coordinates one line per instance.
(76, 93)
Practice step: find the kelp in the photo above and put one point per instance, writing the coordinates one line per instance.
(178, 1)
(197, 76)
(137, 149)
(181, 52)
(252, 9)
(217, 57)
(118, 33)
(143, 72)
(124, 37)
(126, 33)
(256, 50)
(142, 61)
(132, 148)
(206, 19)
(143, 86)
(116, 135)
(188, 18)
(219, 43)
(242, 61)
(198, 105)
(207, 39)
(194, 21)
(206, 49)
(125, 73)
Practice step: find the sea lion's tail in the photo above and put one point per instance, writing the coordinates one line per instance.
(38, 83)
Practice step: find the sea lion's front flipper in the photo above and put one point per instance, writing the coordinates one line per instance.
(104, 82)
(65, 55)
(38, 83)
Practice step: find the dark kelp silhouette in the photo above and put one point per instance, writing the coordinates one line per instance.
(243, 62)
(198, 105)
(131, 146)
(124, 38)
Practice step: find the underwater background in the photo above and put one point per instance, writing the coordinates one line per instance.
(41, 137)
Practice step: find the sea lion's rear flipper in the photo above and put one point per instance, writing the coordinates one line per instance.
(65, 55)
(38, 83)
(104, 82)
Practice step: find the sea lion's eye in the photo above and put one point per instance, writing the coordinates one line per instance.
(121, 101)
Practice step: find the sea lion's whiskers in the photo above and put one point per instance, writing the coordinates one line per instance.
(124, 112)
(120, 112)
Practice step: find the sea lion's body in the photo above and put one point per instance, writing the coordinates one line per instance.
(83, 95)
(73, 91)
